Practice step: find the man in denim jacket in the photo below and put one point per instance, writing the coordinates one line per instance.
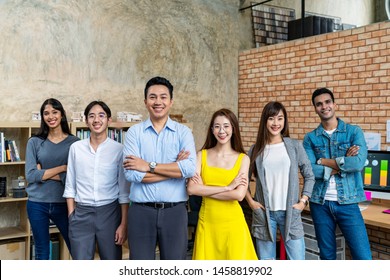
(337, 152)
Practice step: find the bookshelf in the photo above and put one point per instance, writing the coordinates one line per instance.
(15, 231)
(116, 130)
(14, 225)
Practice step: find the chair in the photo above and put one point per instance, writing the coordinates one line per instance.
(194, 203)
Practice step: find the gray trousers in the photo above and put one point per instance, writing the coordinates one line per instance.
(95, 226)
(149, 227)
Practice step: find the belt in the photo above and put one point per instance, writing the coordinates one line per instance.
(159, 205)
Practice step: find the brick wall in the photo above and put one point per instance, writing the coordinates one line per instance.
(354, 63)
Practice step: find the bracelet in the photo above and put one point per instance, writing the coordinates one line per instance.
(304, 201)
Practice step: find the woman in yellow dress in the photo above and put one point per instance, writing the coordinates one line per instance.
(222, 180)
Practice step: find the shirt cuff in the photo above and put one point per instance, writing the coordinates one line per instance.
(327, 173)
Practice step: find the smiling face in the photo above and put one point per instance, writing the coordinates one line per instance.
(222, 129)
(325, 107)
(275, 125)
(158, 102)
(97, 120)
(52, 117)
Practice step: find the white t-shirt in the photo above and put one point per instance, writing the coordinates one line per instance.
(277, 170)
(331, 192)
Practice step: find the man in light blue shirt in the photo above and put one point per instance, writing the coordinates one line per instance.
(159, 156)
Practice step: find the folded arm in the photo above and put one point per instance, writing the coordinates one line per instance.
(234, 191)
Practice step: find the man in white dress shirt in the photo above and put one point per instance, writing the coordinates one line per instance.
(96, 190)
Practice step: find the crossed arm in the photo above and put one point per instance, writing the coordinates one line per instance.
(234, 191)
(329, 162)
(163, 171)
(52, 173)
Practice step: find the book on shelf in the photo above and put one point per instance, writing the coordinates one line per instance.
(10, 151)
(7, 152)
(1, 146)
(54, 253)
(15, 150)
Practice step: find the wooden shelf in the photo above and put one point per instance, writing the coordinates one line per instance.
(11, 199)
(14, 223)
(13, 233)
(12, 163)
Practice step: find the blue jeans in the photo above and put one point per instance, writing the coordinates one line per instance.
(266, 250)
(39, 214)
(350, 221)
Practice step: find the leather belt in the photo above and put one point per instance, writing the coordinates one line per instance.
(159, 205)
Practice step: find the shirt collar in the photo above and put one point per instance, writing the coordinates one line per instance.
(170, 124)
(341, 127)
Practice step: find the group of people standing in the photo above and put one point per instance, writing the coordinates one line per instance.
(84, 186)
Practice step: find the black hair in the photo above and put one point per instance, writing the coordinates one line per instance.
(271, 109)
(43, 131)
(100, 103)
(158, 81)
(320, 91)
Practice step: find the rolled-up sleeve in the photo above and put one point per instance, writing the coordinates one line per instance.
(354, 163)
(188, 166)
(131, 147)
(124, 186)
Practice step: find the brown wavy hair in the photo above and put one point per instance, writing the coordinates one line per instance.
(236, 142)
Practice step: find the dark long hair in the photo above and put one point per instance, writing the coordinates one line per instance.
(236, 142)
(263, 136)
(43, 131)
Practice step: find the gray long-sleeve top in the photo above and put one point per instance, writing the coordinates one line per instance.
(48, 155)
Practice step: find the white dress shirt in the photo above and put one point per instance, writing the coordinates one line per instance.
(96, 178)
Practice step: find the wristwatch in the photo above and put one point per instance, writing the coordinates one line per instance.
(305, 201)
(319, 161)
(152, 166)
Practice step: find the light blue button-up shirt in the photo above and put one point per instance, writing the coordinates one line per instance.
(144, 142)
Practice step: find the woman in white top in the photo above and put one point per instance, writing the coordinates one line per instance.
(278, 201)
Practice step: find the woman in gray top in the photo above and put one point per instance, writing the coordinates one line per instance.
(278, 202)
(46, 163)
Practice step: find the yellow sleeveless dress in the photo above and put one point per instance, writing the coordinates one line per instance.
(222, 232)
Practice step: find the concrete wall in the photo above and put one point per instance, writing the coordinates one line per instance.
(78, 51)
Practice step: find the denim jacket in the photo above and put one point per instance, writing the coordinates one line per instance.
(349, 181)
